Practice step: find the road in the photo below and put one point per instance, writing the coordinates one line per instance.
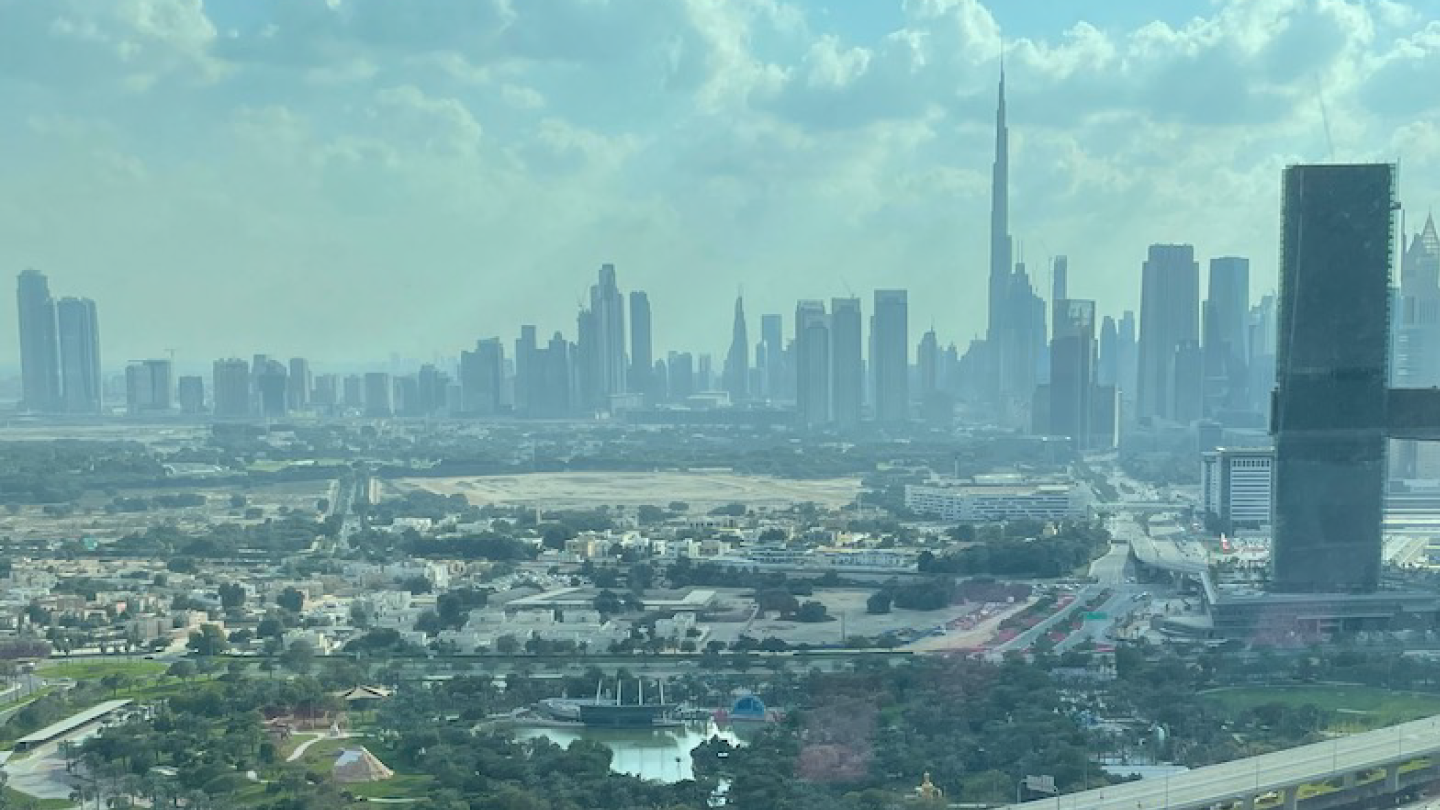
(1269, 772)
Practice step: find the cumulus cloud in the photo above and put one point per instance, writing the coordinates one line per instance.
(356, 177)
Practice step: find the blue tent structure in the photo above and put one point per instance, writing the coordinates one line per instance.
(748, 707)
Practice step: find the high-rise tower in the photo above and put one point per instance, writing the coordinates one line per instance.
(1000, 250)
(79, 330)
(890, 358)
(737, 360)
(39, 344)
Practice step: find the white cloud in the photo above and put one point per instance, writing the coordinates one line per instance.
(356, 176)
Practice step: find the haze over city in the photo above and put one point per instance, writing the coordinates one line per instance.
(346, 181)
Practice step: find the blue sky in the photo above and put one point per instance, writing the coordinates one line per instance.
(352, 178)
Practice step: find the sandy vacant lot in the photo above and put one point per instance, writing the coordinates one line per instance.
(583, 490)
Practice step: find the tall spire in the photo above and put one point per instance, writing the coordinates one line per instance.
(737, 361)
(1000, 245)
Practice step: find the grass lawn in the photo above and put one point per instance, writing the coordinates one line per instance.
(1356, 708)
(94, 670)
(21, 801)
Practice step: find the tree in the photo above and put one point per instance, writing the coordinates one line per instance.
(777, 600)
(298, 656)
(507, 644)
(607, 603)
(879, 602)
(811, 611)
(184, 670)
(359, 615)
(232, 596)
(238, 501)
(269, 627)
(292, 599)
(640, 578)
(208, 640)
(429, 623)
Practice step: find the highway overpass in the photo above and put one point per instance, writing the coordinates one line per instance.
(1284, 772)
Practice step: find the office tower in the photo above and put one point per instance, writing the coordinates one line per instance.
(1416, 358)
(812, 363)
(642, 349)
(1107, 368)
(272, 386)
(1000, 255)
(147, 387)
(39, 345)
(79, 334)
(1059, 290)
(1071, 390)
(298, 384)
(704, 373)
(1187, 383)
(405, 395)
(1330, 416)
(681, 373)
(380, 394)
(431, 384)
(326, 394)
(191, 395)
(352, 392)
(482, 373)
(602, 342)
(660, 379)
(555, 380)
(772, 343)
(526, 373)
(927, 364)
(1169, 317)
(1225, 324)
(737, 360)
(230, 381)
(891, 357)
(847, 369)
(588, 377)
(1127, 358)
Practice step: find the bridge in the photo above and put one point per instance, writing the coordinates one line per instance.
(1242, 781)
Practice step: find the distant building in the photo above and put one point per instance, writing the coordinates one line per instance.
(736, 375)
(272, 386)
(891, 358)
(641, 345)
(1226, 320)
(326, 393)
(379, 394)
(1169, 320)
(988, 503)
(191, 395)
(812, 363)
(79, 336)
(772, 357)
(352, 392)
(39, 345)
(297, 390)
(1235, 485)
(148, 387)
(482, 375)
(230, 380)
(847, 367)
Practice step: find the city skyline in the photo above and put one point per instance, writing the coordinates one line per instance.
(302, 203)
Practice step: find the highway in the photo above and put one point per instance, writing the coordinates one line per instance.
(1257, 775)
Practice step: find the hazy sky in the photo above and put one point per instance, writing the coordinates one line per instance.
(345, 179)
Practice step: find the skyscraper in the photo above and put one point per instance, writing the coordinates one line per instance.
(1227, 312)
(298, 384)
(891, 357)
(526, 370)
(1330, 416)
(927, 362)
(812, 363)
(737, 360)
(1417, 341)
(230, 381)
(1107, 369)
(1059, 291)
(641, 346)
(680, 372)
(847, 369)
(191, 395)
(79, 334)
(482, 373)
(148, 386)
(1072, 386)
(39, 345)
(1169, 318)
(606, 335)
(1127, 361)
(1000, 249)
(772, 342)
(379, 394)
(272, 386)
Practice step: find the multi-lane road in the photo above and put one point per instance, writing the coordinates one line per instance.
(1253, 776)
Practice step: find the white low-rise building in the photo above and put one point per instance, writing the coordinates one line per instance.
(988, 503)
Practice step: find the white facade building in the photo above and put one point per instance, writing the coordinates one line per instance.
(984, 503)
(1235, 485)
